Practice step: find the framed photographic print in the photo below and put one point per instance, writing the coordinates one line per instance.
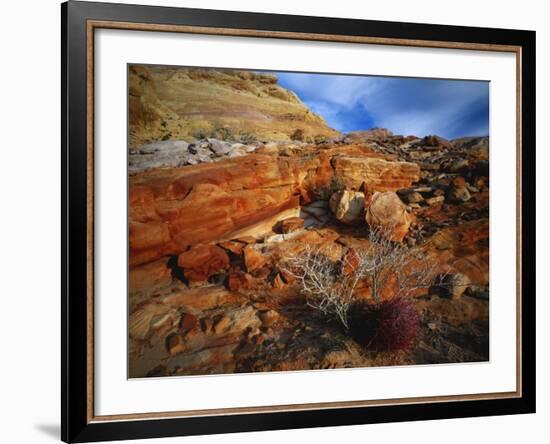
(275, 221)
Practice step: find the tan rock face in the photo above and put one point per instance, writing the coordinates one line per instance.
(386, 211)
(347, 206)
(185, 103)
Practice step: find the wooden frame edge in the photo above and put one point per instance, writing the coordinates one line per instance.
(337, 38)
(284, 408)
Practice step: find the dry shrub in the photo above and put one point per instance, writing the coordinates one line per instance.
(330, 283)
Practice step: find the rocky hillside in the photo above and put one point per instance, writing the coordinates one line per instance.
(189, 104)
(210, 222)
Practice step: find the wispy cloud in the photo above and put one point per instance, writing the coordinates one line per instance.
(450, 108)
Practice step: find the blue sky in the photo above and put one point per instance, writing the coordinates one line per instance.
(448, 108)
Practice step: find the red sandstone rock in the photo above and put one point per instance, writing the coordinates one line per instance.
(372, 134)
(221, 324)
(172, 209)
(202, 261)
(262, 273)
(234, 247)
(253, 258)
(188, 322)
(239, 280)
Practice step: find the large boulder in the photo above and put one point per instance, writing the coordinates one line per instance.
(387, 212)
(347, 206)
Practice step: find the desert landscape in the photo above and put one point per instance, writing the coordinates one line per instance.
(263, 239)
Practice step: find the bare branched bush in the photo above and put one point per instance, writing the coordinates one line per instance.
(321, 278)
(330, 281)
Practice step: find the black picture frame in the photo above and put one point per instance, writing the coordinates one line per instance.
(76, 424)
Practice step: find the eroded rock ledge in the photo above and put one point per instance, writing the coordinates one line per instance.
(173, 209)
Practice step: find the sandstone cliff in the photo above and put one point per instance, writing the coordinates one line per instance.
(188, 103)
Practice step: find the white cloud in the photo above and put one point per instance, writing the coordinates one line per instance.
(405, 106)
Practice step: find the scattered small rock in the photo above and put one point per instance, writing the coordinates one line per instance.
(459, 166)
(413, 198)
(269, 318)
(437, 200)
(175, 344)
(459, 194)
(253, 258)
(221, 324)
(187, 322)
(278, 282)
(452, 286)
(239, 280)
(289, 225)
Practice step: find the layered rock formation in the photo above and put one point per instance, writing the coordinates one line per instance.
(245, 195)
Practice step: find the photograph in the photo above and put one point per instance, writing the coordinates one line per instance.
(282, 221)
